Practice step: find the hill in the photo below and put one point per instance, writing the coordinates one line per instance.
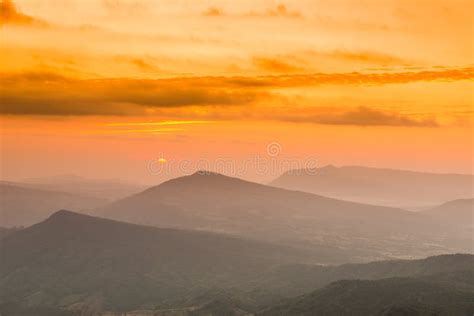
(345, 231)
(6, 231)
(109, 189)
(392, 296)
(82, 263)
(21, 206)
(459, 212)
(76, 264)
(293, 280)
(389, 187)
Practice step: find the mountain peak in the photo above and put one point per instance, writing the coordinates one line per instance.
(201, 180)
(204, 177)
(207, 173)
(63, 213)
(329, 167)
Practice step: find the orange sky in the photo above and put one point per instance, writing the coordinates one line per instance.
(104, 88)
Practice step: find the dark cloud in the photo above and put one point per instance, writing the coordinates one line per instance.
(48, 94)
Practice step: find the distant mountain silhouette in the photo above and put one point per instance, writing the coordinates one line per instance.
(353, 231)
(460, 212)
(20, 206)
(390, 187)
(110, 189)
(87, 263)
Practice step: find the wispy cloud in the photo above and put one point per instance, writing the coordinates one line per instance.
(353, 78)
(277, 65)
(158, 123)
(361, 116)
(280, 10)
(371, 57)
(122, 7)
(142, 63)
(154, 130)
(213, 11)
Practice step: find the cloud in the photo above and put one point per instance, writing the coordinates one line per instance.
(144, 64)
(279, 11)
(161, 123)
(213, 11)
(306, 61)
(365, 57)
(125, 7)
(276, 65)
(352, 78)
(362, 116)
(43, 93)
(282, 11)
(10, 15)
(50, 94)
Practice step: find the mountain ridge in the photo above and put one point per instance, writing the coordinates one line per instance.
(23, 206)
(214, 202)
(78, 263)
(381, 186)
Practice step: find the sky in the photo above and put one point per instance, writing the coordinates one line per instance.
(147, 90)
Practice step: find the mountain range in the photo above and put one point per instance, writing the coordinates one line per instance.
(24, 206)
(29, 201)
(459, 212)
(431, 295)
(398, 188)
(108, 189)
(347, 231)
(81, 262)
(75, 264)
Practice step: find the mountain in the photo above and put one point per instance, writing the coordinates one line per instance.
(392, 296)
(297, 279)
(4, 231)
(460, 212)
(74, 264)
(339, 231)
(109, 189)
(389, 187)
(86, 264)
(20, 206)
